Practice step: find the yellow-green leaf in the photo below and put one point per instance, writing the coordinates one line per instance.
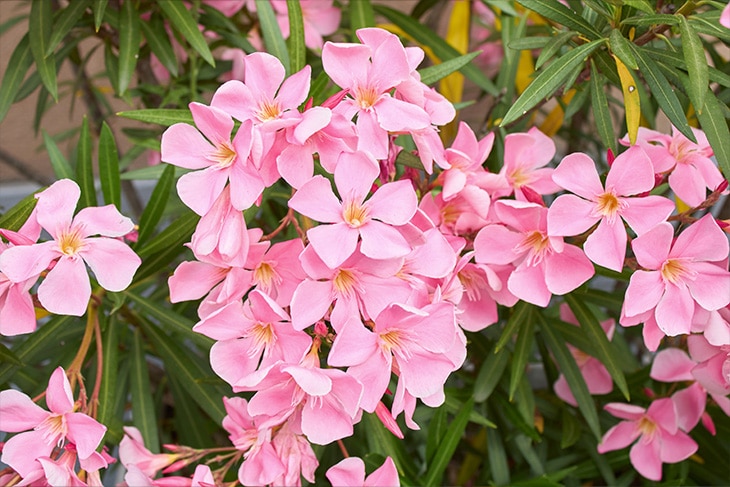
(632, 103)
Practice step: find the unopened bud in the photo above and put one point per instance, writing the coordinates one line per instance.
(335, 99)
(722, 187)
(708, 423)
(385, 417)
(610, 157)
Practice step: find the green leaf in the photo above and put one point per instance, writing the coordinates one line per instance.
(187, 417)
(601, 113)
(520, 313)
(620, 47)
(156, 205)
(382, 441)
(522, 352)
(65, 22)
(84, 169)
(99, 7)
(573, 335)
(156, 37)
(497, 457)
(169, 319)
(651, 20)
(19, 63)
(297, 48)
(516, 417)
(143, 407)
(552, 47)
(40, 26)
(16, 216)
(562, 15)
(111, 185)
(183, 22)
(432, 74)
(713, 122)
(181, 364)
(489, 375)
(361, 16)
(549, 80)
(662, 92)
(273, 39)
(167, 245)
(675, 59)
(7, 356)
(572, 374)
(160, 116)
(129, 40)
(61, 168)
(437, 427)
(529, 43)
(111, 63)
(109, 372)
(694, 57)
(150, 173)
(591, 326)
(570, 428)
(448, 445)
(438, 45)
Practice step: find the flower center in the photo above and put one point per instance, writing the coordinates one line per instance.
(473, 283)
(675, 271)
(354, 214)
(224, 155)
(263, 337)
(609, 205)
(647, 427)
(269, 110)
(54, 429)
(536, 244)
(345, 282)
(520, 178)
(70, 242)
(266, 276)
(366, 97)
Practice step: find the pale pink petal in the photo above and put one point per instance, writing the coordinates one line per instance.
(606, 246)
(310, 302)
(56, 206)
(597, 377)
(346, 64)
(711, 286)
(528, 284)
(103, 220)
(399, 116)
(85, 432)
(294, 89)
(21, 451)
(672, 365)
(570, 215)
(690, 404)
(646, 460)
(17, 314)
(112, 261)
(567, 270)
(296, 165)
(183, 146)
(264, 73)
(235, 98)
(562, 390)
(66, 289)
(215, 124)
(354, 344)
(199, 189)
(58, 395)
(233, 360)
(494, 244)
(625, 411)
(424, 374)
(316, 200)
(652, 248)
(24, 262)
(225, 323)
(335, 243)
(193, 280)
(643, 214)
(674, 311)
(393, 203)
(453, 182)
(247, 184)
(381, 241)
(374, 375)
(312, 121)
(677, 447)
(664, 414)
(577, 173)
(631, 173)
(354, 176)
(688, 184)
(372, 137)
(350, 472)
(643, 293)
(18, 412)
(703, 240)
(725, 17)
(618, 437)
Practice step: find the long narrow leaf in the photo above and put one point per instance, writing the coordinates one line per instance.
(273, 39)
(39, 30)
(156, 37)
(65, 22)
(297, 48)
(99, 7)
(7, 356)
(694, 56)
(601, 113)
(129, 40)
(439, 46)
(160, 116)
(432, 74)
(713, 122)
(163, 249)
(497, 458)
(448, 445)
(183, 22)
(18, 65)
(143, 408)
(84, 168)
(489, 375)
(562, 15)
(632, 99)
(361, 16)
(111, 185)
(549, 80)
(382, 441)
(187, 417)
(156, 205)
(552, 47)
(590, 325)
(520, 313)
(522, 352)
(61, 168)
(109, 372)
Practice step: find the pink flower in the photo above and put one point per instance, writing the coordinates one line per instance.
(132, 451)
(296, 454)
(630, 174)
(350, 472)
(373, 220)
(465, 158)
(725, 17)
(66, 289)
(692, 170)
(17, 314)
(659, 438)
(320, 18)
(693, 269)
(18, 413)
(545, 265)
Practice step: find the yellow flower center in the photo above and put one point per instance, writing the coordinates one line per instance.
(70, 242)
(345, 281)
(519, 178)
(269, 110)
(674, 271)
(224, 155)
(354, 214)
(536, 244)
(265, 276)
(647, 426)
(54, 429)
(366, 97)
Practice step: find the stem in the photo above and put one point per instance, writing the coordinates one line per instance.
(343, 449)
(92, 320)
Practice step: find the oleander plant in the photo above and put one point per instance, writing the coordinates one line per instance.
(464, 242)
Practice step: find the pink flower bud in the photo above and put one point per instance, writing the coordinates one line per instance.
(387, 419)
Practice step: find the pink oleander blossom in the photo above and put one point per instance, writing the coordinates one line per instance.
(692, 269)
(350, 472)
(350, 216)
(544, 264)
(132, 451)
(725, 17)
(17, 314)
(465, 158)
(591, 203)
(656, 433)
(67, 289)
(48, 429)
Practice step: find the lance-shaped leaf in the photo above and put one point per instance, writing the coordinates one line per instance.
(166, 246)
(448, 445)
(143, 407)
(361, 16)
(432, 74)
(382, 441)
(99, 7)
(65, 22)
(522, 352)
(18, 65)
(562, 15)
(552, 47)
(274, 41)
(109, 371)
(111, 186)
(156, 37)
(16, 216)
(40, 27)
(520, 313)
(84, 168)
(713, 122)
(183, 22)
(297, 48)
(155, 207)
(7, 356)
(632, 100)
(497, 457)
(601, 113)
(61, 168)
(694, 57)
(489, 375)
(160, 116)
(129, 40)
(620, 47)
(549, 80)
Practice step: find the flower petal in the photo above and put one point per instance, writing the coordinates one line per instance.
(56, 205)
(18, 412)
(66, 289)
(85, 432)
(577, 173)
(112, 262)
